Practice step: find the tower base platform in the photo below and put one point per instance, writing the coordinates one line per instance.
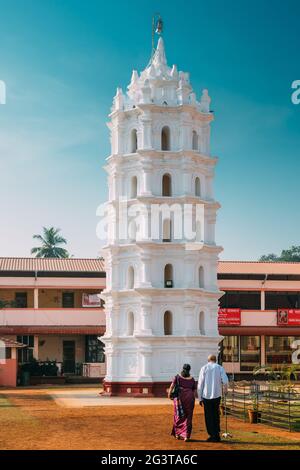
(136, 389)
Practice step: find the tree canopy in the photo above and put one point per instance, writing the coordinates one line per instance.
(50, 244)
(291, 254)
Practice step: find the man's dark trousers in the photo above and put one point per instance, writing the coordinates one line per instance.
(212, 416)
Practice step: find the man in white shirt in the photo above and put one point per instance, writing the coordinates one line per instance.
(212, 380)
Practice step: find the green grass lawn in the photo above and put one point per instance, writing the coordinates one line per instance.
(247, 440)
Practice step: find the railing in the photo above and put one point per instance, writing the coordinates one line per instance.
(275, 405)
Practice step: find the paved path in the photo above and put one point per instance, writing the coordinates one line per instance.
(81, 398)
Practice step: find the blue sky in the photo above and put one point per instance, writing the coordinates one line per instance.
(62, 61)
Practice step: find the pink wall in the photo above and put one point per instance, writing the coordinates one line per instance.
(53, 282)
(8, 373)
(259, 318)
(52, 316)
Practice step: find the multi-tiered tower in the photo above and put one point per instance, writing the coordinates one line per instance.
(161, 294)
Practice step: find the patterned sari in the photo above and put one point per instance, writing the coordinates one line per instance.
(184, 407)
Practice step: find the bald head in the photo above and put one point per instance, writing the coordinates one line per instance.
(212, 358)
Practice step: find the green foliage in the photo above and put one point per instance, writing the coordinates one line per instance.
(281, 378)
(40, 369)
(7, 304)
(290, 255)
(254, 401)
(50, 241)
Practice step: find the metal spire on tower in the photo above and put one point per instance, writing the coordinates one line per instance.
(157, 27)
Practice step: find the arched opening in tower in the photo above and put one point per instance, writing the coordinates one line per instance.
(167, 230)
(201, 323)
(134, 141)
(168, 276)
(195, 141)
(167, 185)
(168, 323)
(197, 187)
(165, 138)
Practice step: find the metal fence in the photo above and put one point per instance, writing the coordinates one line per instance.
(274, 405)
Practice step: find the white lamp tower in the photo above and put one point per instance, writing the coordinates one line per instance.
(161, 296)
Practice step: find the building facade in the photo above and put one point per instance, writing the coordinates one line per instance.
(53, 308)
(161, 296)
(259, 316)
(49, 312)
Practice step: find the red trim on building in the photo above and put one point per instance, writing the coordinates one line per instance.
(59, 330)
(259, 330)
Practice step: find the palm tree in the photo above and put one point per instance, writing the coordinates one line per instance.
(50, 241)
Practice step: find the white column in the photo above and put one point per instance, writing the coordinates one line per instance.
(262, 300)
(119, 133)
(146, 271)
(36, 298)
(147, 175)
(146, 327)
(186, 181)
(262, 350)
(146, 120)
(208, 188)
(36, 347)
(189, 319)
(146, 364)
(118, 178)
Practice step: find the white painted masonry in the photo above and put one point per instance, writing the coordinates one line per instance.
(160, 154)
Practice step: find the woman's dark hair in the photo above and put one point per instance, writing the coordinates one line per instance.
(186, 370)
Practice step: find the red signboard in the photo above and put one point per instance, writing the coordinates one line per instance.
(288, 317)
(229, 316)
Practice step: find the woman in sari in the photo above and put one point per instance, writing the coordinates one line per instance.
(184, 387)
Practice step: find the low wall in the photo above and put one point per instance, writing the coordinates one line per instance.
(8, 373)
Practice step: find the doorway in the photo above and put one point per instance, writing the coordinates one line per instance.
(69, 357)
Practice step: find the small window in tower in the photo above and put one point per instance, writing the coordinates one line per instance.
(130, 324)
(130, 278)
(201, 277)
(168, 323)
(133, 192)
(133, 141)
(201, 323)
(167, 185)
(168, 275)
(167, 230)
(195, 141)
(165, 138)
(197, 187)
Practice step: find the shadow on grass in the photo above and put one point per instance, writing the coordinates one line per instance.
(265, 444)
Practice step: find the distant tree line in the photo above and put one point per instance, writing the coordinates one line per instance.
(292, 254)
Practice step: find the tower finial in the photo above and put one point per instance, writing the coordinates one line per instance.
(157, 27)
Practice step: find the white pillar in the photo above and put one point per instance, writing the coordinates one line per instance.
(36, 298)
(146, 271)
(147, 178)
(146, 364)
(146, 120)
(36, 347)
(189, 319)
(146, 326)
(262, 350)
(262, 300)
